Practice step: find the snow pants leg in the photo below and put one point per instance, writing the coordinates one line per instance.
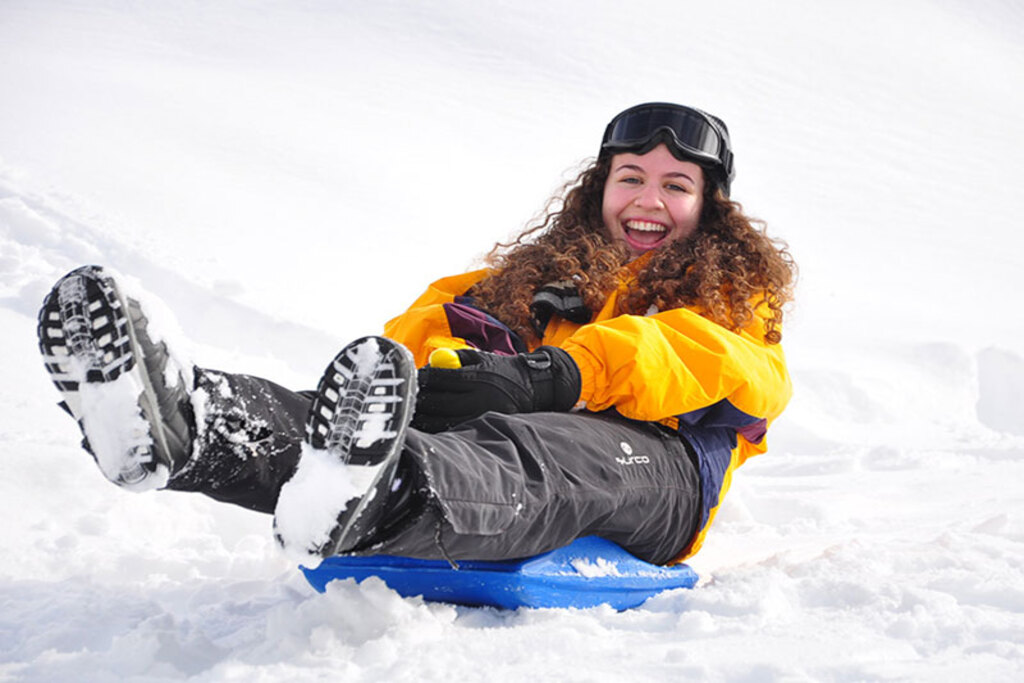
(496, 487)
(249, 433)
(510, 486)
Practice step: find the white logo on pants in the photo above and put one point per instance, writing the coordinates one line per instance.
(632, 459)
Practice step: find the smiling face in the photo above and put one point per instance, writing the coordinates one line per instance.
(652, 199)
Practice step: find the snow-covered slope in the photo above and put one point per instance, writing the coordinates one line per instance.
(287, 175)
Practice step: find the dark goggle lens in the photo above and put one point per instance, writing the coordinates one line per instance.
(690, 129)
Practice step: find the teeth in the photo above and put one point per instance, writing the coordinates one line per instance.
(644, 226)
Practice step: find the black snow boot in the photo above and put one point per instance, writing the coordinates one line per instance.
(354, 435)
(128, 394)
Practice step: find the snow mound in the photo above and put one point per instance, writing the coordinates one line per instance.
(1001, 390)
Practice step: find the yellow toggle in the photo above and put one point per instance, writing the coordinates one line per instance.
(445, 358)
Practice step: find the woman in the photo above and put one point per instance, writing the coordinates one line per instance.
(603, 376)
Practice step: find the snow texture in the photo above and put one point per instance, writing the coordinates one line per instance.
(596, 567)
(312, 500)
(286, 176)
(110, 413)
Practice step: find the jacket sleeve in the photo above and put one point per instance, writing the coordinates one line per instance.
(677, 362)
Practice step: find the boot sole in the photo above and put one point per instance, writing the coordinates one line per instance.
(359, 418)
(365, 396)
(89, 346)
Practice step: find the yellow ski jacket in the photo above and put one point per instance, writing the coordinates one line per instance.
(721, 389)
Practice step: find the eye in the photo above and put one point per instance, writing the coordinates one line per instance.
(632, 180)
(676, 187)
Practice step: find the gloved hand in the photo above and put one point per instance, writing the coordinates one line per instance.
(474, 382)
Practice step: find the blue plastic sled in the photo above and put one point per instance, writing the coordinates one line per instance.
(588, 572)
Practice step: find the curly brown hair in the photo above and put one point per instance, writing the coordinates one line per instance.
(726, 269)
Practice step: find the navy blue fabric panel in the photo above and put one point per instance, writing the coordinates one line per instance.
(721, 414)
(725, 414)
(713, 446)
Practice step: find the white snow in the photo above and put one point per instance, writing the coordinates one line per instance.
(366, 356)
(596, 567)
(286, 176)
(311, 501)
(111, 414)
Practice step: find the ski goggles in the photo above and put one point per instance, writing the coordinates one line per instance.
(690, 134)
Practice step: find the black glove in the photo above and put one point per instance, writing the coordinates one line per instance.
(546, 379)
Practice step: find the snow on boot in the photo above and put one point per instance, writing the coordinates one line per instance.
(354, 436)
(129, 396)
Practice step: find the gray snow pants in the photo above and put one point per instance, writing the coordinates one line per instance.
(496, 487)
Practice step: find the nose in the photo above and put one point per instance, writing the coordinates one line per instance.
(648, 196)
